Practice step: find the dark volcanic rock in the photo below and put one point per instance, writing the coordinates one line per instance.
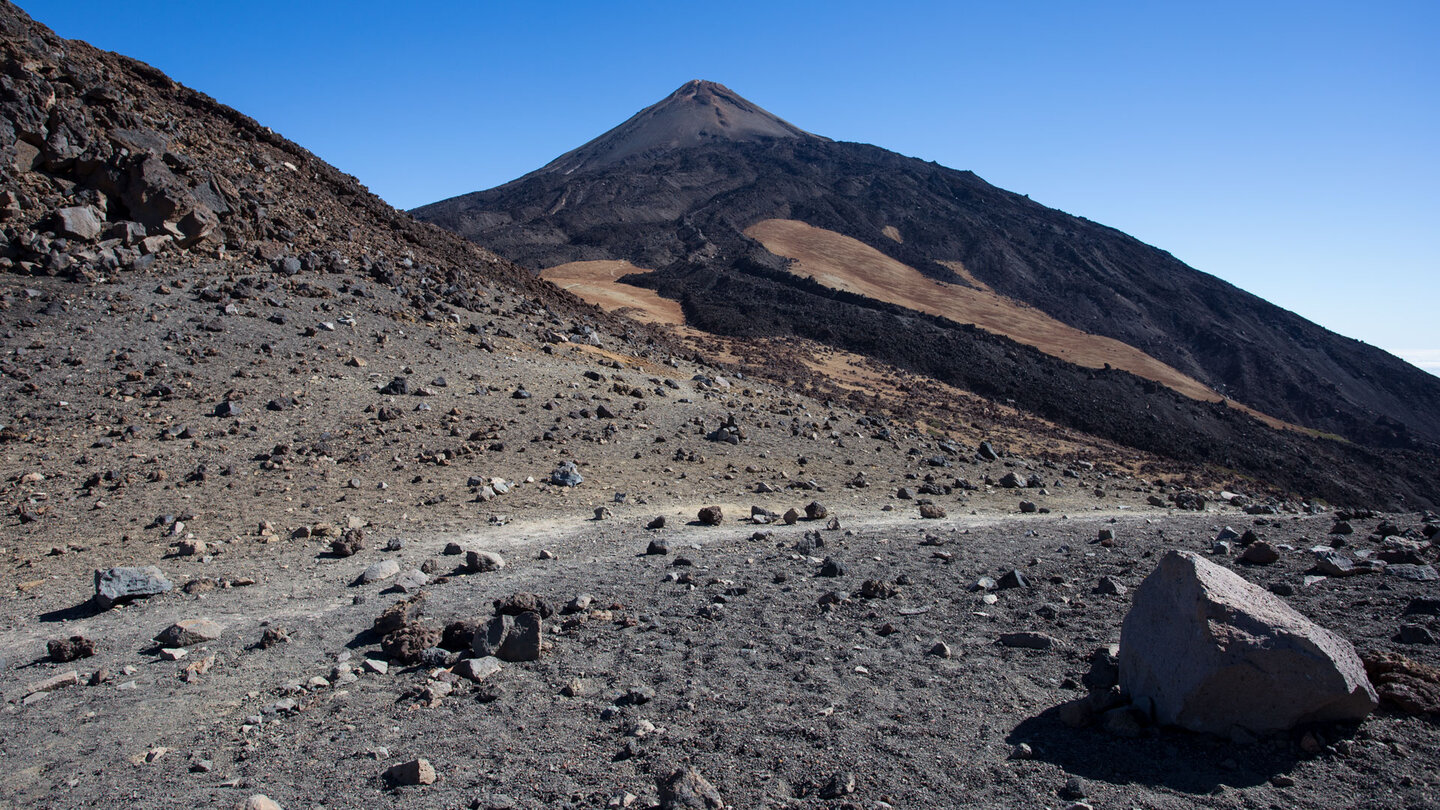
(406, 644)
(402, 613)
(524, 602)
(70, 649)
(566, 474)
(509, 638)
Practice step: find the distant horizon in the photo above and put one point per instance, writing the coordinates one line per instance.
(1285, 149)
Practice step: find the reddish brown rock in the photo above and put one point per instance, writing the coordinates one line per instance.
(1405, 685)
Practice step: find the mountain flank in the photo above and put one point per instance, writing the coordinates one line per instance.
(1048, 285)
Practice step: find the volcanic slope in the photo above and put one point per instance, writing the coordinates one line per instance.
(224, 359)
(683, 208)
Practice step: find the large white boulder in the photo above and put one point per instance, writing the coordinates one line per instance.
(1205, 650)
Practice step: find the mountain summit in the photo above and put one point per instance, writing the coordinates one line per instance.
(700, 112)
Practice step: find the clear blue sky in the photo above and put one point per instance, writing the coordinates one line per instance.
(1292, 148)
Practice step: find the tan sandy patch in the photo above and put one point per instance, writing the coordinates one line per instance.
(962, 271)
(843, 263)
(598, 283)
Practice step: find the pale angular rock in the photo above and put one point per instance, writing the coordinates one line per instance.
(54, 682)
(78, 222)
(1207, 651)
(189, 632)
(258, 802)
(412, 581)
(479, 562)
(1332, 563)
(380, 571)
(478, 669)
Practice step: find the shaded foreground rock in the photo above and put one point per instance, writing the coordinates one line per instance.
(1205, 650)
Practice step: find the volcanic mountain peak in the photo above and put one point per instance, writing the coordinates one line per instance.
(699, 112)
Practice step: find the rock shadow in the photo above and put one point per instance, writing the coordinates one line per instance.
(1184, 761)
(368, 637)
(84, 610)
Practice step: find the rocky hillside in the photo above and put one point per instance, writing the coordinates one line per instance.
(682, 211)
(109, 167)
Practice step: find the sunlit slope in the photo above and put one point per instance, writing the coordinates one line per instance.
(598, 282)
(843, 263)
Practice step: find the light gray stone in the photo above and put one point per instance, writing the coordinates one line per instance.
(686, 789)
(384, 569)
(478, 669)
(479, 562)
(114, 585)
(1210, 652)
(412, 580)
